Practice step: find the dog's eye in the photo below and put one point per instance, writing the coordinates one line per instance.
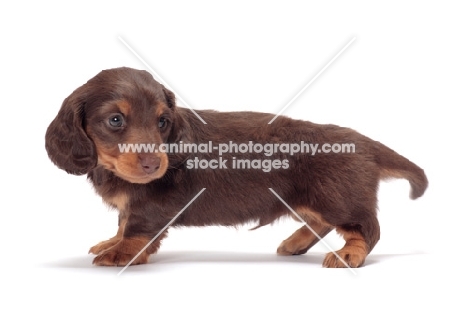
(116, 121)
(162, 123)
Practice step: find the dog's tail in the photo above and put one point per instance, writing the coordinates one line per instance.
(392, 164)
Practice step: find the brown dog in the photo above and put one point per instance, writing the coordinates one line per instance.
(127, 106)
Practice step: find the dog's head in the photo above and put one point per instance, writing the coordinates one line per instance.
(115, 109)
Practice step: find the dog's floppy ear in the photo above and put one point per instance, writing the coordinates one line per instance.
(67, 144)
(170, 98)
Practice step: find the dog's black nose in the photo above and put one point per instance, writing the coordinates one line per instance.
(149, 163)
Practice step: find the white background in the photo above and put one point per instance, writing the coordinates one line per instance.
(402, 82)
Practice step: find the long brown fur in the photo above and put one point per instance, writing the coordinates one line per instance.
(327, 190)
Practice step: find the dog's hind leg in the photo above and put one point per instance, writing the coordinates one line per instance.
(304, 238)
(360, 240)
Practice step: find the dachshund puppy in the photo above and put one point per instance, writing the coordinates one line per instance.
(325, 188)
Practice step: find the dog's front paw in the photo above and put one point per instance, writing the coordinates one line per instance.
(123, 252)
(102, 246)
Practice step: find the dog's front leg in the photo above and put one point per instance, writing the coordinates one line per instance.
(102, 246)
(138, 233)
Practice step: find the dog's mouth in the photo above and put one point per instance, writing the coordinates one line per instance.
(137, 168)
(134, 179)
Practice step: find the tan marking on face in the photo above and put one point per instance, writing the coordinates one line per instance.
(127, 165)
(124, 107)
(161, 108)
